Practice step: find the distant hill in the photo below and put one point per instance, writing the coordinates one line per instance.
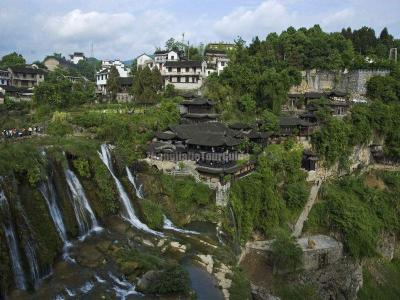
(128, 62)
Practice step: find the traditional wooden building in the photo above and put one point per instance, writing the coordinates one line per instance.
(198, 110)
(295, 126)
(309, 160)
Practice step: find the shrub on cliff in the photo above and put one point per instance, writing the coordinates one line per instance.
(153, 214)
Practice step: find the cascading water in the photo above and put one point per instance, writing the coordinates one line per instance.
(49, 194)
(129, 215)
(237, 233)
(84, 214)
(132, 180)
(8, 227)
(30, 253)
(168, 225)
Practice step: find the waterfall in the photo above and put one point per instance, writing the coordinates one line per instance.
(139, 193)
(236, 227)
(30, 253)
(132, 180)
(49, 194)
(129, 215)
(84, 214)
(170, 226)
(19, 275)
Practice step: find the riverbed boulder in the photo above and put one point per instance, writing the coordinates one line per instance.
(90, 257)
(147, 280)
(176, 246)
(206, 261)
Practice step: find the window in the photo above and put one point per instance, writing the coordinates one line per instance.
(187, 79)
(222, 63)
(187, 70)
(179, 79)
(194, 69)
(179, 70)
(169, 69)
(172, 57)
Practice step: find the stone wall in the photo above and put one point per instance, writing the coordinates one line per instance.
(320, 251)
(353, 82)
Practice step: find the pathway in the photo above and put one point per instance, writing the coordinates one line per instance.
(298, 227)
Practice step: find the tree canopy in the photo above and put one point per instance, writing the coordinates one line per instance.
(12, 59)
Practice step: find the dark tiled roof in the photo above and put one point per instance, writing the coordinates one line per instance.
(198, 101)
(254, 134)
(218, 170)
(26, 70)
(167, 135)
(125, 80)
(200, 116)
(187, 131)
(240, 126)
(161, 52)
(338, 94)
(213, 140)
(183, 64)
(294, 95)
(292, 121)
(14, 89)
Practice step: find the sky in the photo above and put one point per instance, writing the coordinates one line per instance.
(124, 29)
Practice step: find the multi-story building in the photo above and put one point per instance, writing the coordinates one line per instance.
(5, 77)
(144, 60)
(162, 56)
(77, 57)
(217, 60)
(221, 46)
(102, 75)
(184, 74)
(25, 76)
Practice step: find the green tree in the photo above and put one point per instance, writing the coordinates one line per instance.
(12, 59)
(286, 253)
(146, 85)
(170, 91)
(113, 84)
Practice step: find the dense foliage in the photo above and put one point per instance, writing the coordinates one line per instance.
(12, 59)
(146, 85)
(57, 91)
(359, 212)
(286, 253)
(266, 200)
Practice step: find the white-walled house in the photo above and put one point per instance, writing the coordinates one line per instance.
(162, 56)
(144, 60)
(77, 57)
(185, 74)
(102, 75)
(5, 78)
(217, 60)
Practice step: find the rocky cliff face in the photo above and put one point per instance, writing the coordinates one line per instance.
(340, 280)
(353, 82)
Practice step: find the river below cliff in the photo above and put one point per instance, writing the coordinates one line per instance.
(93, 272)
